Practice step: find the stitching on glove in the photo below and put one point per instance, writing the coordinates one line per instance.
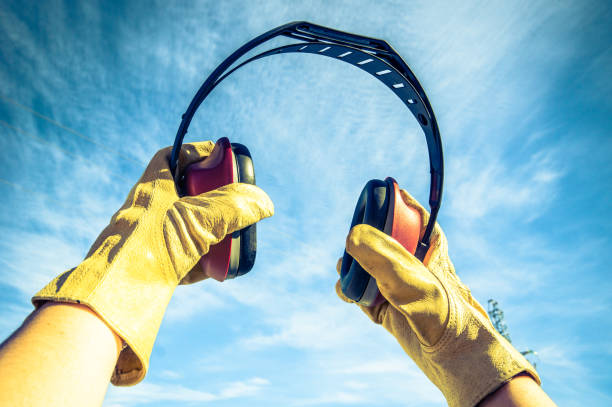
(449, 330)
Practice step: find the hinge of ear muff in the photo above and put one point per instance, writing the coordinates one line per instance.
(421, 250)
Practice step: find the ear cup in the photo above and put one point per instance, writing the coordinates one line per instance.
(227, 163)
(371, 209)
(380, 205)
(248, 235)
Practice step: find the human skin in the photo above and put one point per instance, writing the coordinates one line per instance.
(62, 355)
(521, 391)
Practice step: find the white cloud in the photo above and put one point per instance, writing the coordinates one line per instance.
(326, 326)
(243, 389)
(190, 300)
(375, 374)
(38, 256)
(560, 357)
(338, 397)
(170, 375)
(388, 365)
(146, 393)
(318, 131)
(480, 184)
(11, 318)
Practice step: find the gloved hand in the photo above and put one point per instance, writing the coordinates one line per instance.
(433, 315)
(151, 243)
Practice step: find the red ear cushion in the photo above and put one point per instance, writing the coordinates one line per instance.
(216, 170)
(215, 263)
(213, 172)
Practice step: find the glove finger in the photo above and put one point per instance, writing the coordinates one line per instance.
(339, 284)
(437, 255)
(402, 279)
(341, 294)
(195, 223)
(397, 272)
(376, 314)
(214, 214)
(438, 246)
(158, 169)
(194, 275)
(193, 152)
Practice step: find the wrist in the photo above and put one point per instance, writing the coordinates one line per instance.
(521, 390)
(83, 313)
(132, 308)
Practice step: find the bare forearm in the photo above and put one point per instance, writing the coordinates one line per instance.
(62, 355)
(521, 391)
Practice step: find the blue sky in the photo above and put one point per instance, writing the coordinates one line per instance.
(523, 97)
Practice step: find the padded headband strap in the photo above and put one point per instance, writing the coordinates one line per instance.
(369, 54)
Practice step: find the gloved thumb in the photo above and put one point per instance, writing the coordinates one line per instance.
(194, 223)
(402, 279)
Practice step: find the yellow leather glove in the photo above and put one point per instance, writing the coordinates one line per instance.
(433, 315)
(151, 243)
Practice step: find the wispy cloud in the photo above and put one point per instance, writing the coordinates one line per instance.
(170, 375)
(383, 376)
(147, 393)
(318, 130)
(482, 184)
(27, 258)
(190, 300)
(327, 326)
(333, 398)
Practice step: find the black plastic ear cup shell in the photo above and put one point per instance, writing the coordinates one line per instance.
(248, 235)
(371, 209)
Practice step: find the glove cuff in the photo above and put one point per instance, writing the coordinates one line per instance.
(132, 309)
(472, 358)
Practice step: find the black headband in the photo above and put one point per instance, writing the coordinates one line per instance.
(369, 54)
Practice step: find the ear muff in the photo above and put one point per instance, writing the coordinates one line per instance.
(382, 62)
(227, 163)
(381, 206)
(371, 209)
